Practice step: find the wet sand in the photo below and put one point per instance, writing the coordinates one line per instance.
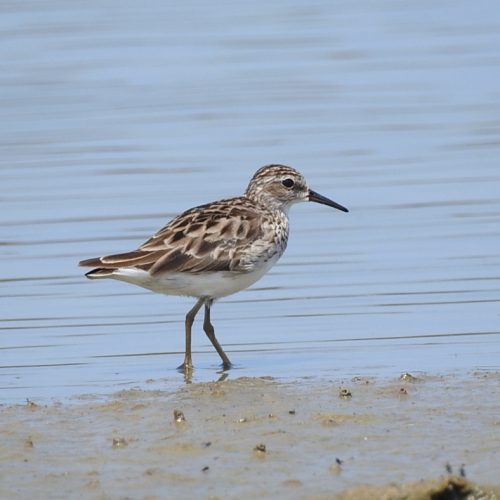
(412, 436)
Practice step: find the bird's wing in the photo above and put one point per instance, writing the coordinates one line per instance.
(211, 237)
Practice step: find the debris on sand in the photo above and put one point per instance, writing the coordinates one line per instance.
(446, 488)
(179, 417)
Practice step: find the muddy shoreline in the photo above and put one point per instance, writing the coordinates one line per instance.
(259, 437)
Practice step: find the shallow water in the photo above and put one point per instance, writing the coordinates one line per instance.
(115, 118)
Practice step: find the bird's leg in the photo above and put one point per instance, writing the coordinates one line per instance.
(187, 366)
(209, 330)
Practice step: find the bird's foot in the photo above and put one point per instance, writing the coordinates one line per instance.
(226, 365)
(186, 367)
(187, 370)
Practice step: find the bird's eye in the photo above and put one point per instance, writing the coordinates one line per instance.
(288, 183)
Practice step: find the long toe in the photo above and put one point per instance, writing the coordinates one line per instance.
(185, 368)
(227, 365)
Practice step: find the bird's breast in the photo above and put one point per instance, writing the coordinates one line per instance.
(264, 251)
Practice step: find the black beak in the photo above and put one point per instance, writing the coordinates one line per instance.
(313, 196)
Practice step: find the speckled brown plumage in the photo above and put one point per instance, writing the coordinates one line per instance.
(218, 236)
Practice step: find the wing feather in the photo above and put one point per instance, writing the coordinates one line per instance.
(130, 259)
(211, 237)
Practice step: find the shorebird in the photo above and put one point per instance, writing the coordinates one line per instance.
(216, 249)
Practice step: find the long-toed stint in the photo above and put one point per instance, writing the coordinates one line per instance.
(217, 249)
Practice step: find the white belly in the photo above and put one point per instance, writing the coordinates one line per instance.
(213, 284)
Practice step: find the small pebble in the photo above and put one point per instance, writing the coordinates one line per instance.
(179, 416)
(345, 394)
(261, 448)
(119, 443)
